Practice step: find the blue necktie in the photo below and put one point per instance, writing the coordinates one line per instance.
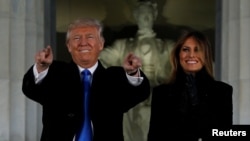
(85, 133)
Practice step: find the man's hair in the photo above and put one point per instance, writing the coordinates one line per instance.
(85, 22)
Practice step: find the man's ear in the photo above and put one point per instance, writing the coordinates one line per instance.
(68, 47)
(102, 43)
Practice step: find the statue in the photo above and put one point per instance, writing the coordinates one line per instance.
(154, 53)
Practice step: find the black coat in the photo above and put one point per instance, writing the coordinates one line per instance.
(60, 94)
(174, 115)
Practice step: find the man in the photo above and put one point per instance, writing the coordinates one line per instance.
(58, 88)
(154, 54)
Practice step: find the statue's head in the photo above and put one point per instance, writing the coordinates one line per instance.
(145, 13)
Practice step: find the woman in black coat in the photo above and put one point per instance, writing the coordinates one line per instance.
(192, 103)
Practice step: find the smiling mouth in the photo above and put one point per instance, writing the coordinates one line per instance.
(84, 51)
(191, 62)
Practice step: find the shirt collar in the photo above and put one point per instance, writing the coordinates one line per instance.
(91, 69)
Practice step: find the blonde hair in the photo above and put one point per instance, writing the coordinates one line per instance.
(85, 22)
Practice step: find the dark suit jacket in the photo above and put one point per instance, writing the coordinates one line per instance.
(60, 94)
(173, 116)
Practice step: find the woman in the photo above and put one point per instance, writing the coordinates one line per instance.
(155, 65)
(192, 102)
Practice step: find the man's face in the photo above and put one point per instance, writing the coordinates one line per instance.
(84, 45)
(145, 17)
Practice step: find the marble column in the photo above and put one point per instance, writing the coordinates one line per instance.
(234, 55)
(21, 35)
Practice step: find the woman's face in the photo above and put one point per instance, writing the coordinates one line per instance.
(191, 56)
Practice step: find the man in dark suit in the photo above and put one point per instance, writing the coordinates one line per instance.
(58, 88)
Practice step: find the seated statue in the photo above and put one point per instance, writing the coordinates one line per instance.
(154, 53)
